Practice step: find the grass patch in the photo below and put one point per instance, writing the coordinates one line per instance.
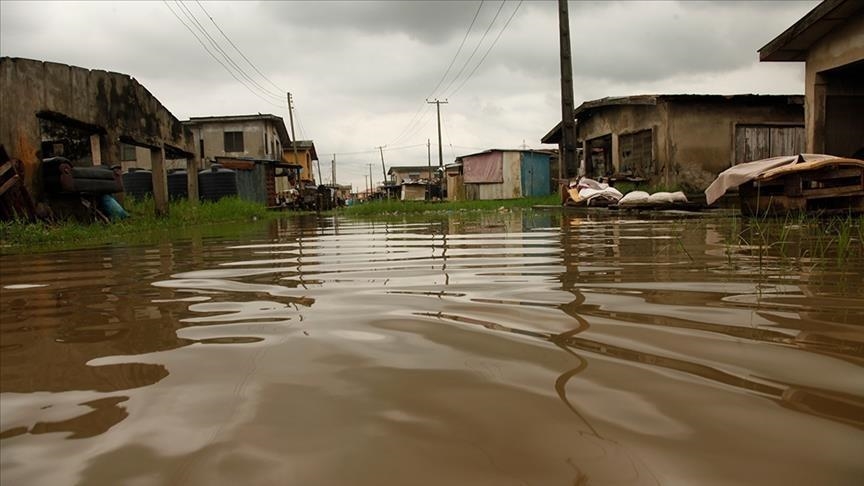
(18, 235)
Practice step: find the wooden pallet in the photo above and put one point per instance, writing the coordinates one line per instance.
(834, 186)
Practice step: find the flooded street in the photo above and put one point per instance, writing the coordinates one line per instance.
(499, 348)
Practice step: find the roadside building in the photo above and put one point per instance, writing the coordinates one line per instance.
(683, 140)
(410, 173)
(499, 174)
(306, 156)
(87, 116)
(258, 179)
(830, 41)
(257, 136)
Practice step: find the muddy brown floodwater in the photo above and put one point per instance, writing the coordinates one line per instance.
(501, 348)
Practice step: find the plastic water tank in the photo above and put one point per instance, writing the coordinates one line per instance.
(138, 183)
(217, 182)
(178, 184)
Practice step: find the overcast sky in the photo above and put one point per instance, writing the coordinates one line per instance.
(360, 72)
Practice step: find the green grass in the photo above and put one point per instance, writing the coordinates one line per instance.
(389, 207)
(18, 235)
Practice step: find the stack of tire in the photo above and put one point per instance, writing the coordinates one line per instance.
(60, 176)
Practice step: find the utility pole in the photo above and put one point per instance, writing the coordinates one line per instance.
(293, 136)
(333, 170)
(371, 184)
(437, 104)
(567, 163)
(366, 180)
(440, 151)
(429, 161)
(383, 170)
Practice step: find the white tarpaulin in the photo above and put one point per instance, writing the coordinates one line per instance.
(741, 173)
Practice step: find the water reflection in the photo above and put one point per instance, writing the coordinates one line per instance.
(503, 347)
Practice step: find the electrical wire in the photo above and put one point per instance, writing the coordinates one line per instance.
(192, 18)
(467, 61)
(458, 51)
(216, 58)
(420, 113)
(237, 48)
(491, 46)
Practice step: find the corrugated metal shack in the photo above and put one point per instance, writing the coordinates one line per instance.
(256, 178)
(499, 174)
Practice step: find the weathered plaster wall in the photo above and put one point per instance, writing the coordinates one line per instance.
(842, 46)
(701, 134)
(213, 134)
(621, 120)
(693, 140)
(115, 103)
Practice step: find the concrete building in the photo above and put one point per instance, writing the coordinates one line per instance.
(499, 174)
(52, 109)
(830, 41)
(402, 173)
(257, 136)
(683, 140)
(306, 157)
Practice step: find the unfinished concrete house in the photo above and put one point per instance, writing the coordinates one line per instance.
(830, 41)
(88, 117)
(683, 140)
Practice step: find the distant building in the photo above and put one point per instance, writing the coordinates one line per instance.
(499, 174)
(305, 158)
(410, 173)
(683, 139)
(830, 41)
(256, 136)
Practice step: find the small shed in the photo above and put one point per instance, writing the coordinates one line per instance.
(414, 191)
(455, 182)
(256, 178)
(501, 174)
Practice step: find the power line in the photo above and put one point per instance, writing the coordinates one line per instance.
(216, 58)
(458, 51)
(192, 18)
(465, 64)
(418, 117)
(237, 48)
(506, 24)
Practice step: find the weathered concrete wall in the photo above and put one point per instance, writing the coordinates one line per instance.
(694, 140)
(114, 103)
(621, 120)
(843, 46)
(213, 134)
(701, 135)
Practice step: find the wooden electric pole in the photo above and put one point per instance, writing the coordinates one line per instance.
(293, 136)
(333, 169)
(567, 163)
(429, 161)
(383, 169)
(437, 104)
(371, 184)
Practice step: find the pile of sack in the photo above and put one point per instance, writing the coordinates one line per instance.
(589, 192)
